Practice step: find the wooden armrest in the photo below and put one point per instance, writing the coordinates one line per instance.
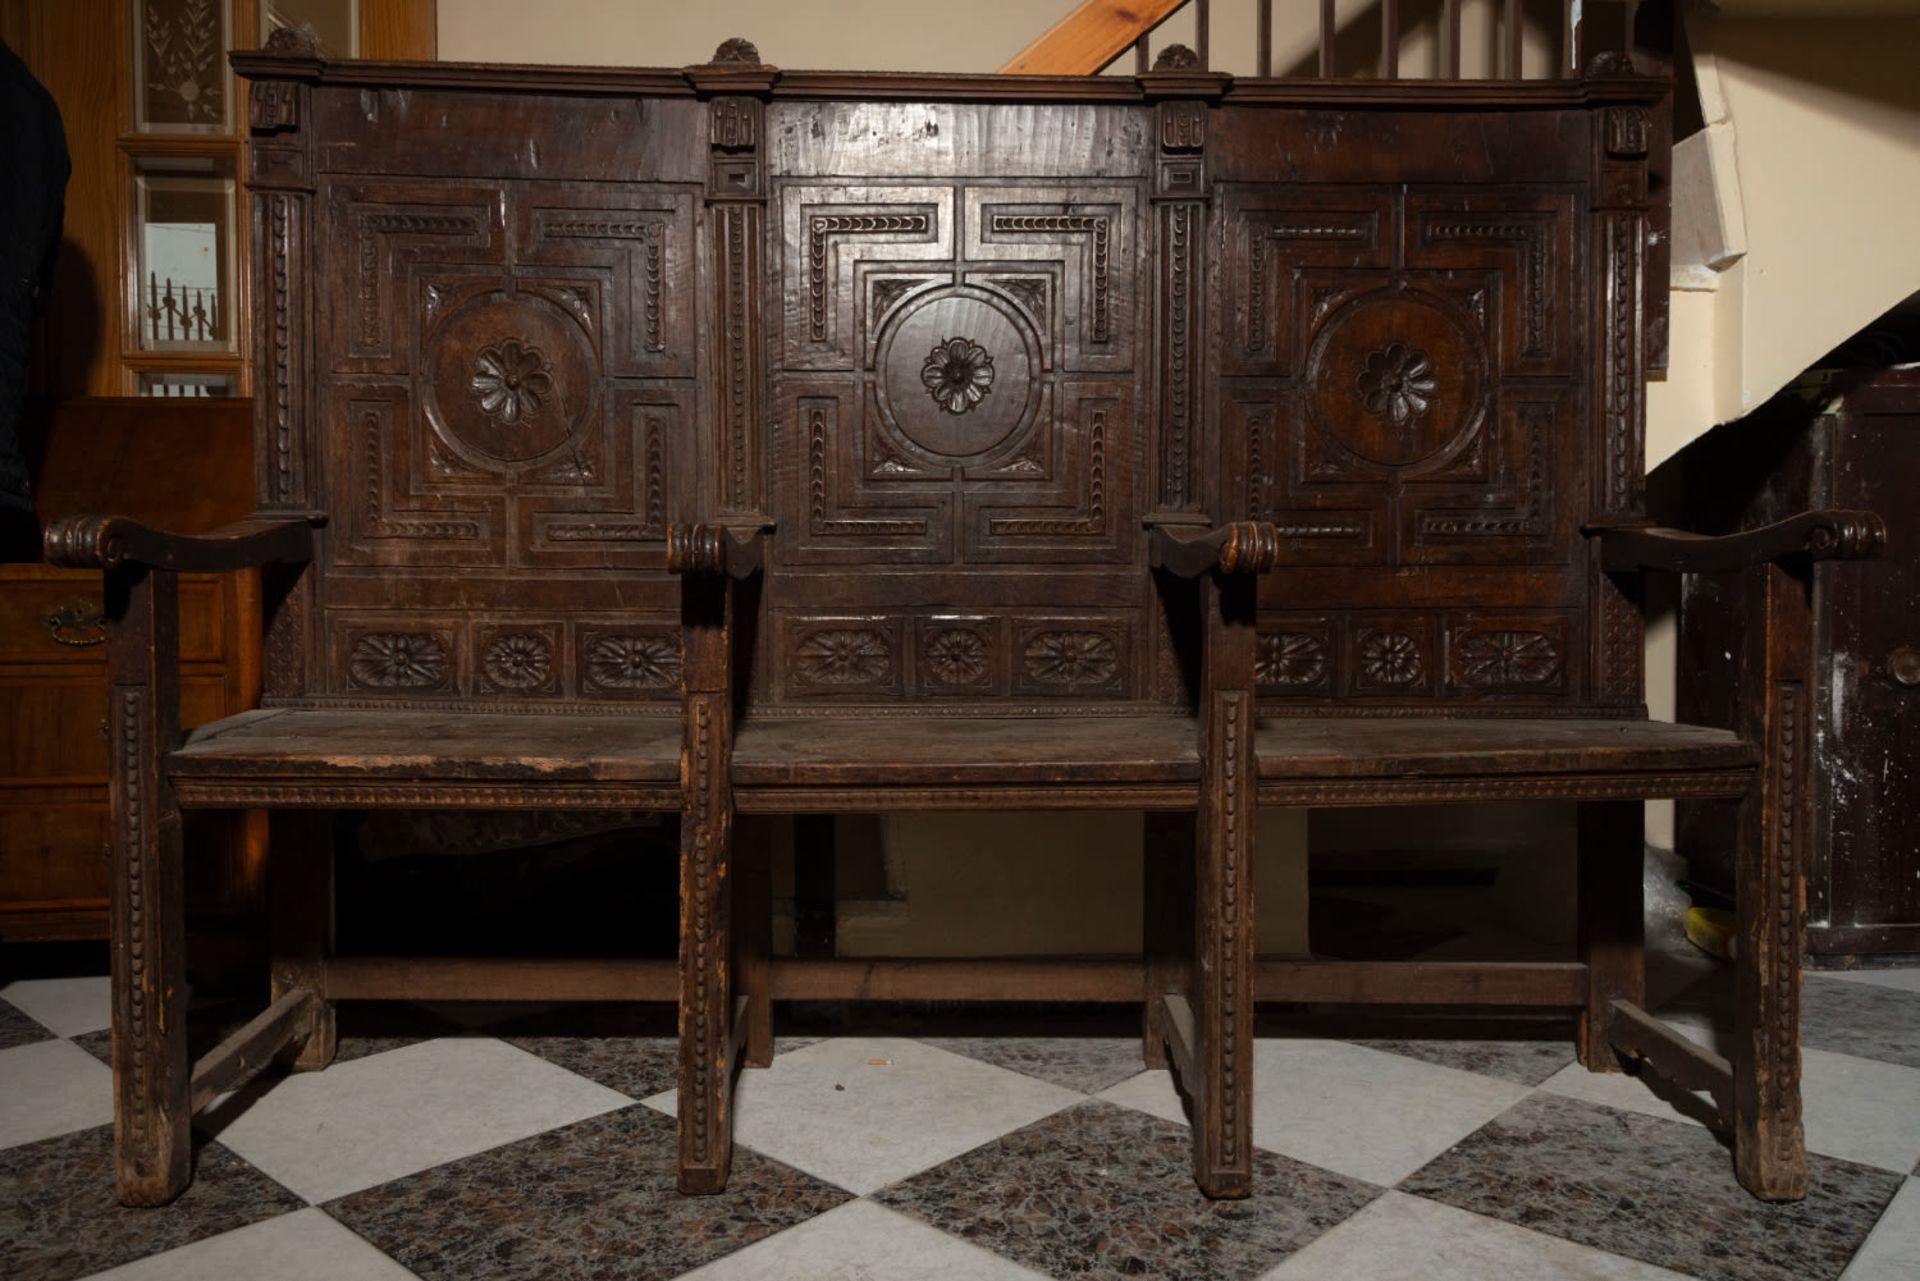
(701, 551)
(104, 542)
(1818, 535)
(1243, 547)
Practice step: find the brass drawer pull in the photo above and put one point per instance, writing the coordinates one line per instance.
(78, 624)
(1904, 665)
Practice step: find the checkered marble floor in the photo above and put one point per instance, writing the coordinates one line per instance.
(460, 1144)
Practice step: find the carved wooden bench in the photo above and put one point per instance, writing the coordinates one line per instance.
(733, 440)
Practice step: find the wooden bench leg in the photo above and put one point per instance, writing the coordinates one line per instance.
(300, 854)
(1612, 921)
(753, 935)
(1223, 968)
(706, 1006)
(152, 1108)
(1769, 1141)
(1166, 865)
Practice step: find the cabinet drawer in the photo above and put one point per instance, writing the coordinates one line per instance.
(48, 619)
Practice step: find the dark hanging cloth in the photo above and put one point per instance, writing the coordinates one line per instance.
(33, 189)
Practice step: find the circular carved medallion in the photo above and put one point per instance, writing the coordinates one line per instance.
(509, 377)
(954, 370)
(1397, 377)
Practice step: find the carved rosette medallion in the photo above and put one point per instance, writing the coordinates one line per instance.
(509, 377)
(1291, 660)
(1398, 378)
(847, 656)
(1391, 658)
(955, 656)
(1397, 383)
(633, 662)
(511, 380)
(518, 661)
(957, 374)
(1508, 658)
(398, 660)
(1071, 658)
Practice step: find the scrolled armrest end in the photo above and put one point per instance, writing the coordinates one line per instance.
(710, 551)
(86, 542)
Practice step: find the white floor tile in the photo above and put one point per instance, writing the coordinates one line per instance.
(303, 1246)
(1892, 1252)
(49, 1088)
(65, 1007)
(1856, 1109)
(1907, 980)
(861, 1241)
(1406, 1236)
(1373, 1115)
(830, 1111)
(325, 1134)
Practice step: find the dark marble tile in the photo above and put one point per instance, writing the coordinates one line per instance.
(629, 1047)
(1525, 1062)
(1861, 1019)
(99, 1044)
(58, 1218)
(17, 1029)
(591, 1200)
(1526, 1049)
(1655, 1190)
(1085, 1063)
(1104, 1191)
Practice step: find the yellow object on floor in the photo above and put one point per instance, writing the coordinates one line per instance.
(1711, 930)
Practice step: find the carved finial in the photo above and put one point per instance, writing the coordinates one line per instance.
(737, 49)
(1610, 62)
(299, 40)
(1177, 57)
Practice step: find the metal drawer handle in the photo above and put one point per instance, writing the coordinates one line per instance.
(78, 624)
(1904, 665)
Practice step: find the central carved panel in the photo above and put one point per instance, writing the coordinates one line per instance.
(509, 377)
(957, 398)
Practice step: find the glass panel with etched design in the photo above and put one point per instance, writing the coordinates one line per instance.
(180, 79)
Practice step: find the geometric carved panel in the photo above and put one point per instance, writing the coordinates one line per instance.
(958, 396)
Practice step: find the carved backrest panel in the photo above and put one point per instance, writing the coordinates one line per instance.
(960, 447)
(504, 388)
(959, 350)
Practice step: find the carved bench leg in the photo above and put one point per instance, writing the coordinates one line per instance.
(1769, 1142)
(706, 1005)
(1223, 1126)
(1167, 863)
(1223, 969)
(152, 1112)
(1612, 921)
(300, 887)
(753, 934)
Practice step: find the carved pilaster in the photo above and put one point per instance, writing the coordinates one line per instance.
(1180, 195)
(1620, 480)
(735, 85)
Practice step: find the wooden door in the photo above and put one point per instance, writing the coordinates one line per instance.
(1865, 888)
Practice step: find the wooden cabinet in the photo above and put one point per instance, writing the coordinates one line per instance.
(117, 454)
(1844, 441)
